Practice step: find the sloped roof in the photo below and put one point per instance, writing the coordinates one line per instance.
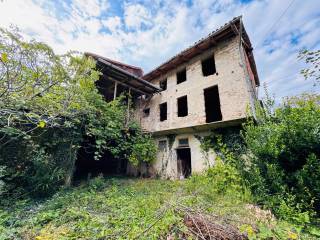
(129, 68)
(232, 28)
(124, 74)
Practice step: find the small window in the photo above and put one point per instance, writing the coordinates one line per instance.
(162, 145)
(163, 84)
(181, 76)
(182, 106)
(183, 142)
(208, 66)
(163, 111)
(146, 112)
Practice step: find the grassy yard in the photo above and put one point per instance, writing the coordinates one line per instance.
(122, 208)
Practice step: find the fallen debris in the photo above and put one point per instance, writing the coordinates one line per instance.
(202, 228)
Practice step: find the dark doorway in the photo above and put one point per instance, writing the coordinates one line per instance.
(86, 166)
(184, 162)
(212, 104)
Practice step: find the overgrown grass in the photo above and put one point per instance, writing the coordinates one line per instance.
(121, 208)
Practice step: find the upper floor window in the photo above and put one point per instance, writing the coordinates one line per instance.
(208, 66)
(212, 104)
(163, 84)
(163, 111)
(182, 106)
(146, 112)
(181, 76)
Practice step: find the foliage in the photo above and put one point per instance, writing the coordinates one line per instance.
(113, 208)
(224, 176)
(285, 147)
(134, 145)
(134, 209)
(312, 58)
(48, 104)
(277, 157)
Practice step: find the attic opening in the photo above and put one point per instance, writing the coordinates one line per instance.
(163, 111)
(182, 76)
(183, 162)
(163, 84)
(208, 66)
(182, 106)
(212, 104)
(86, 166)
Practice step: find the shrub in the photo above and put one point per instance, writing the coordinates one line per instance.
(285, 152)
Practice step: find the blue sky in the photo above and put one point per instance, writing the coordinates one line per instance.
(146, 33)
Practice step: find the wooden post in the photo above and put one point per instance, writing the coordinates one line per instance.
(128, 107)
(115, 90)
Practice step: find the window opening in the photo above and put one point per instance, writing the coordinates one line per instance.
(212, 104)
(208, 66)
(183, 142)
(162, 145)
(163, 84)
(163, 111)
(181, 76)
(146, 112)
(182, 106)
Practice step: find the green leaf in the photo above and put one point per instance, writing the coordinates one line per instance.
(41, 124)
(4, 57)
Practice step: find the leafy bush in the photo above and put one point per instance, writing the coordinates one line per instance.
(285, 147)
(277, 157)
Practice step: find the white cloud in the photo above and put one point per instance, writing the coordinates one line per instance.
(147, 33)
(112, 23)
(135, 15)
(92, 8)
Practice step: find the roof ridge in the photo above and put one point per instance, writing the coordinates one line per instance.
(111, 60)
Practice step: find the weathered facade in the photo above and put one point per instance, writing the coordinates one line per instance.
(209, 85)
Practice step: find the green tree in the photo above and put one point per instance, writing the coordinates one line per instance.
(49, 103)
(312, 59)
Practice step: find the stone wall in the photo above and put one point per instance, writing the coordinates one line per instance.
(236, 93)
(165, 165)
(230, 78)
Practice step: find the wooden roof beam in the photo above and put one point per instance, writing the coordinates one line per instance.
(234, 29)
(125, 85)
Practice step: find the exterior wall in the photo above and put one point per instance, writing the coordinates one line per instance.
(166, 162)
(236, 93)
(231, 81)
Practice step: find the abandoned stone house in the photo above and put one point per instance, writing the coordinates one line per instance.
(207, 86)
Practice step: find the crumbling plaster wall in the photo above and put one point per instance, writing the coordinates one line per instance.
(230, 78)
(166, 162)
